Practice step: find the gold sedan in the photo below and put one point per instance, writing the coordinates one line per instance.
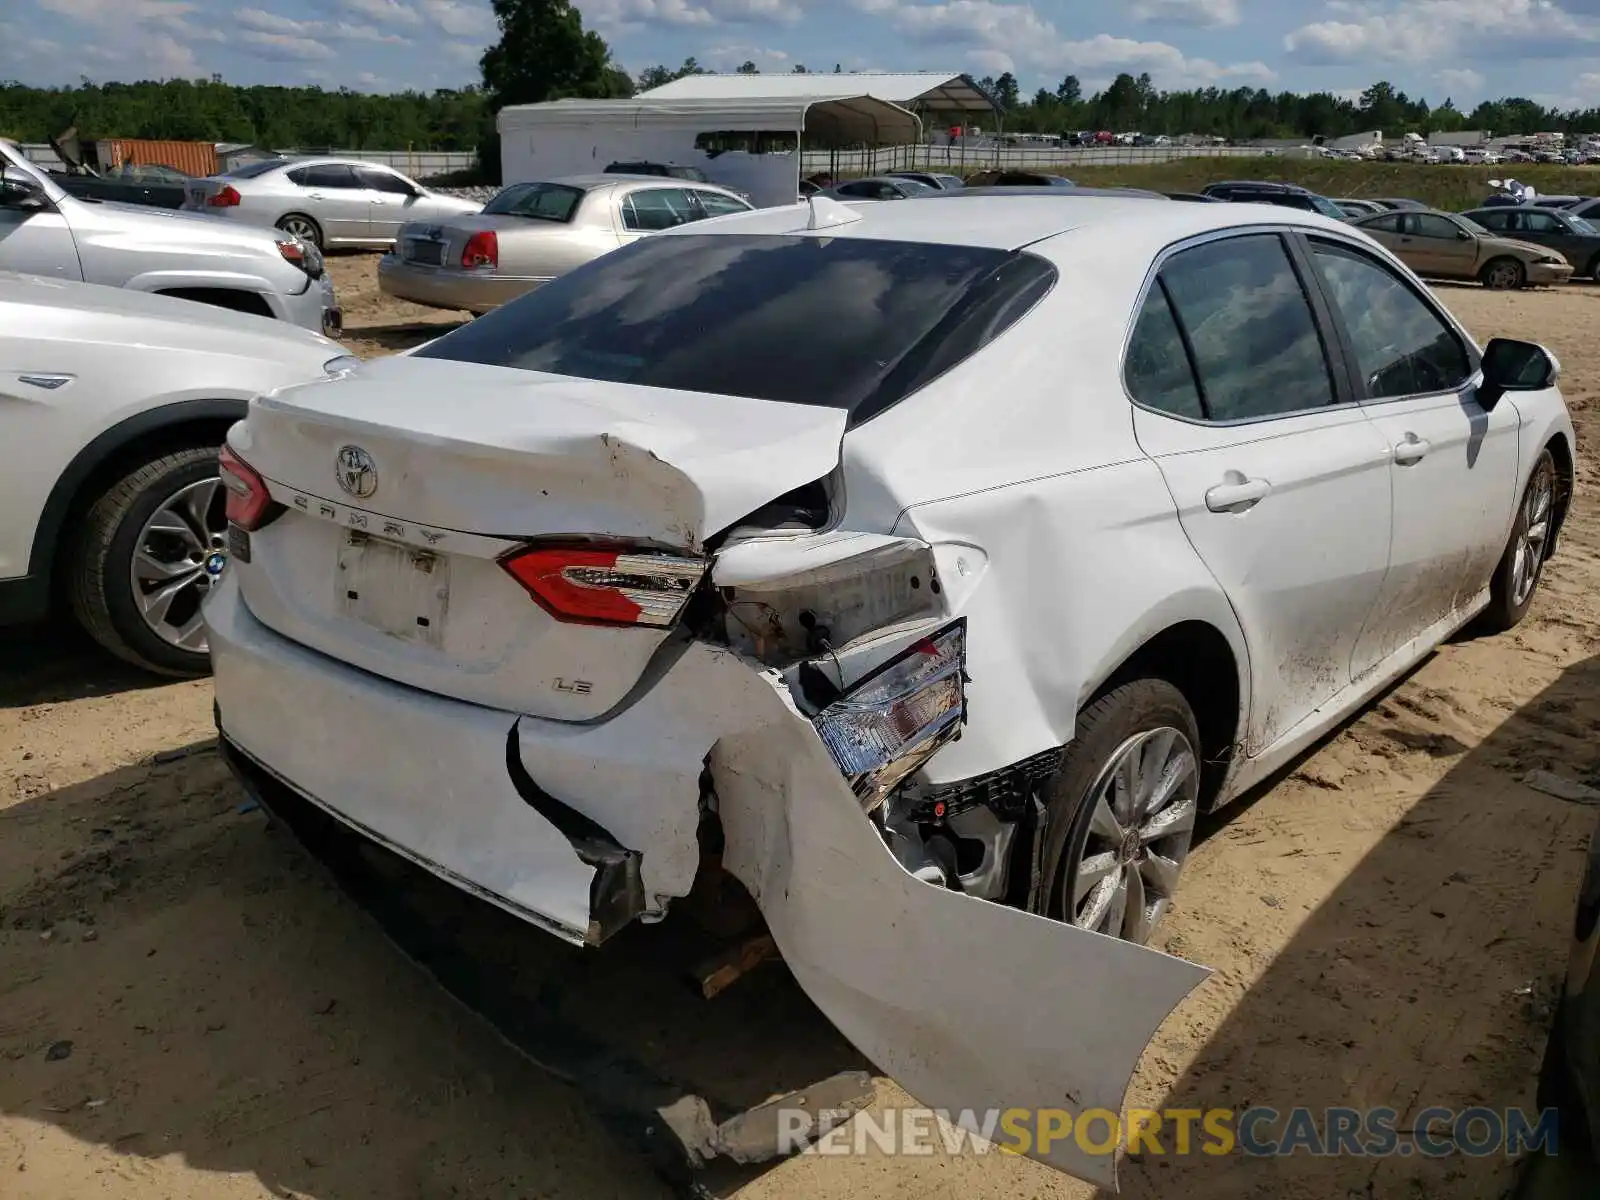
(1440, 245)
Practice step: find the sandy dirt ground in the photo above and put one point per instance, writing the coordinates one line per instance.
(189, 1008)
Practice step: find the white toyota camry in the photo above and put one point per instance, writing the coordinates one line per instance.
(932, 563)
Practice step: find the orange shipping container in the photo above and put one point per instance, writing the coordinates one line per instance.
(192, 158)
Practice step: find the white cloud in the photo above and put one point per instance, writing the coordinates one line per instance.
(1186, 12)
(287, 46)
(996, 32)
(729, 58)
(1459, 81)
(140, 37)
(384, 12)
(460, 18)
(1446, 30)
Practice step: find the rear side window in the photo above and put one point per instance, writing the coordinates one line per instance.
(325, 175)
(1159, 374)
(654, 209)
(844, 322)
(1388, 223)
(1255, 344)
(541, 201)
(716, 204)
(1498, 220)
(253, 169)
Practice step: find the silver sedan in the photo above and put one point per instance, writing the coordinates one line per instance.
(328, 201)
(532, 232)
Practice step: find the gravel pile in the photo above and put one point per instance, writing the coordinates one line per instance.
(481, 194)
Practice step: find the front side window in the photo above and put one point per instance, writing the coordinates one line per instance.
(852, 323)
(1256, 348)
(1402, 347)
(1540, 222)
(384, 181)
(655, 209)
(1430, 226)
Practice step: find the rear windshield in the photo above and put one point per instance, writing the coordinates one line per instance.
(544, 201)
(252, 169)
(842, 322)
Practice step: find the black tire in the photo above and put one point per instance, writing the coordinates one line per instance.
(1503, 275)
(1504, 610)
(1103, 727)
(293, 222)
(99, 583)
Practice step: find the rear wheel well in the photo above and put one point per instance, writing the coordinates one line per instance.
(137, 450)
(234, 299)
(1195, 658)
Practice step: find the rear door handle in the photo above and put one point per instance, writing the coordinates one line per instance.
(1410, 450)
(1237, 496)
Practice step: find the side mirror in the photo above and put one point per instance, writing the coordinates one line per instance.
(1463, 236)
(19, 190)
(1513, 366)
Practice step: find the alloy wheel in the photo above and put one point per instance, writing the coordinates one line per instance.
(1141, 825)
(1528, 556)
(181, 552)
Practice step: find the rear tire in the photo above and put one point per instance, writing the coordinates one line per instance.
(301, 226)
(1120, 811)
(1593, 269)
(1516, 579)
(165, 513)
(1503, 275)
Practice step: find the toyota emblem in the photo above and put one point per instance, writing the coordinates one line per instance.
(358, 474)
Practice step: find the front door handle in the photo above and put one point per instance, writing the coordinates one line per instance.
(1237, 495)
(1411, 449)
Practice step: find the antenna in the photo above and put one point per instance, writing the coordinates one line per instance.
(826, 213)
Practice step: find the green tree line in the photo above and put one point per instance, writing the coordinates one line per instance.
(1131, 103)
(213, 111)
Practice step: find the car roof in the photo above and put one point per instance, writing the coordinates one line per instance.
(1009, 222)
(595, 180)
(1033, 189)
(1261, 185)
(321, 160)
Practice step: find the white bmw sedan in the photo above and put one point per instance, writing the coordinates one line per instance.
(933, 573)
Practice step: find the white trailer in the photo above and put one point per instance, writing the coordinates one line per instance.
(752, 144)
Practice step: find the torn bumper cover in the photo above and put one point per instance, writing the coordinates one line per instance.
(969, 1005)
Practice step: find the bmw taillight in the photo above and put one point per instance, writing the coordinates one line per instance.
(593, 585)
(228, 197)
(482, 250)
(249, 503)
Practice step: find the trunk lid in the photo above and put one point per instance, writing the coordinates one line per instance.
(397, 571)
(441, 243)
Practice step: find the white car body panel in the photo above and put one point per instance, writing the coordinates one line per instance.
(124, 354)
(1066, 526)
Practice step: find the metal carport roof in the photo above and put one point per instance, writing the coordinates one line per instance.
(937, 90)
(838, 118)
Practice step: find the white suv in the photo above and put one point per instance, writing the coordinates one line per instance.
(112, 406)
(923, 569)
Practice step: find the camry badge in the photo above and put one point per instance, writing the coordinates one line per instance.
(356, 472)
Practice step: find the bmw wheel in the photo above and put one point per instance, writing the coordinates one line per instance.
(1120, 812)
(148, 550)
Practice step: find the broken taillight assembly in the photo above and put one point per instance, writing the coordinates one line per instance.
(249, 502)
(888, 724)
(228, 197)
(482, 250)
(607, 586)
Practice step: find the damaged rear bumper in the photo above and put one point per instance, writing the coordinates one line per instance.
(580, 827)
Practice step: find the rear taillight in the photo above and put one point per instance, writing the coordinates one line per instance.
(482, 250)
(228, 197)
(599, 586)
(249, 502)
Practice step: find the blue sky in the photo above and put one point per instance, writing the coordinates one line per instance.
(1548, 50)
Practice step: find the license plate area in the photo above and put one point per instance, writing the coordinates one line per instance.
(429, 254)
(396, 589)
